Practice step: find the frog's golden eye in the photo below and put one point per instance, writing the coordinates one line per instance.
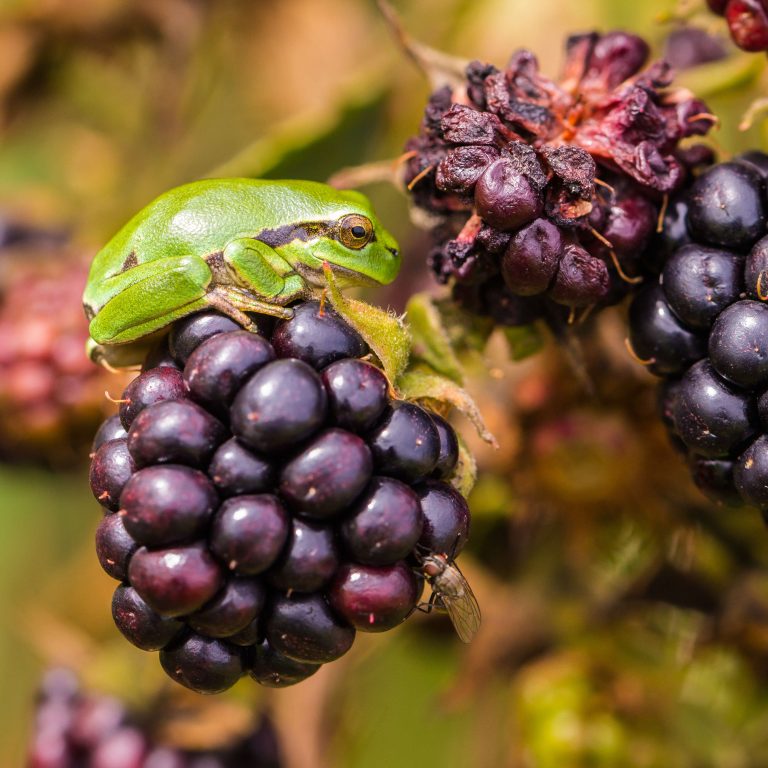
(355, 231)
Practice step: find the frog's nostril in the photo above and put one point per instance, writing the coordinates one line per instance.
(393, 251)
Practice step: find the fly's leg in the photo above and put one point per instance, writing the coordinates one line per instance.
(435, 603)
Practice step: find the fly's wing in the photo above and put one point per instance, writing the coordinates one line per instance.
(463, 610)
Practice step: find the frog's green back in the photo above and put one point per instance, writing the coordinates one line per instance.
(202, 217)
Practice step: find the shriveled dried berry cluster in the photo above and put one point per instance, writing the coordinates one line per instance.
(703, 327)
(263, 500)
(74, 728)
(747, 22)
(545, 194)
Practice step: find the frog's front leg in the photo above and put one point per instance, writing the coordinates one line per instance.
(265, 282)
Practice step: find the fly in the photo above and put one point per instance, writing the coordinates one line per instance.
(451, 592)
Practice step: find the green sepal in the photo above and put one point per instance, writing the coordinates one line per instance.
(523, 340)
(423, 384)
(465, 473)
(431, 342)
(385, 333)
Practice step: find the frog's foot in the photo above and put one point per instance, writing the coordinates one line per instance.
(235, 304)
(117, 358)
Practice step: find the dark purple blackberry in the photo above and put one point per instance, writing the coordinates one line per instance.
(204, 664)
(385, 523)
(446, 518)
(177, 580)
(715, 479)
(152, 386)
(406, 444)
(160, 357)
(448, 456)
(111, 468)
(505, 197)
(219, 366)
(328, 475)
(267, 507)
(531, 260)
(748, 24)
(111, 429)
(750, 473)
(375, 598)
(166, 504)
(357, 394)
(699, 282)
(284, 403)
(658, 338)
(175, 431)
(756, 271)
(188, 333)
(139, 623)
(726, 207)
(235, 470)
(582, 279)
(317, 335)
(304, 628)
(248, 532)
(711, 416)
(309, 559)
(738, 344)
(275, 670)
(562, 215)
(696, 327)
(756, 160)
(231, 611)
(114, 546)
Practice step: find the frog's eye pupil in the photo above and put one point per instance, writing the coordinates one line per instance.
(355, 231)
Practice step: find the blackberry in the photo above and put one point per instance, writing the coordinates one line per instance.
(268, 500)
(73, 727)
(704, 329)
(521, 207)
(747, 22)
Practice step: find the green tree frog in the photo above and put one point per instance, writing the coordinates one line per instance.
(234, 245)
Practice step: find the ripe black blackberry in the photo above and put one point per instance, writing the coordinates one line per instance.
(74, 728)
(266, 499)
(703, 327)
(543, 195)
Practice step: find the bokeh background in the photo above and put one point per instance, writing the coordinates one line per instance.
(625, 617)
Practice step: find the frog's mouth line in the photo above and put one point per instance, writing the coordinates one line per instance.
(315, 276)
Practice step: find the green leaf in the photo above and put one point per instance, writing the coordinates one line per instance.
(386, 333)
(523, 340)
(423, 384)
(467, 332)
(724, 75)
(430, 338)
